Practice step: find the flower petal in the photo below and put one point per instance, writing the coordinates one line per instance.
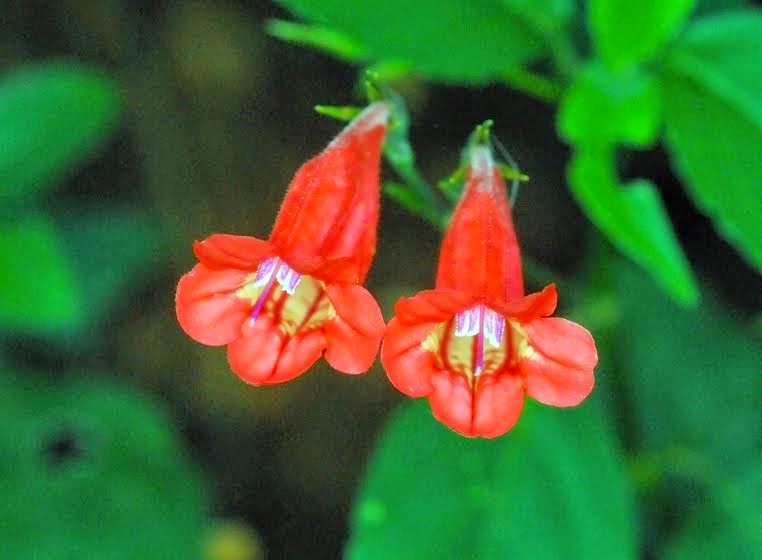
(232, 251)
(558, 369)
(338, 270)
(409, 366)
(452, 402)
(432, 306)
(480, 253)
(498, 404)
(354, 334)
(207, 306)
(532, 306)
(332, 204)
(264, 355)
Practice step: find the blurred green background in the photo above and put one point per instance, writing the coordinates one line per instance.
(130, 129)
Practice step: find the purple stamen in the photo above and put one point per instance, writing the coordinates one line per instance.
(262, 299)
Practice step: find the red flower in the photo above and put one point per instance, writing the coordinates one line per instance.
(278, 304)
(476, 343)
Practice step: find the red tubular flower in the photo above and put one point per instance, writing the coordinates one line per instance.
(278, 304)
(476, 343)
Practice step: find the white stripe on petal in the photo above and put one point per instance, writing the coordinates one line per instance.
(467, 322)
(494, 326)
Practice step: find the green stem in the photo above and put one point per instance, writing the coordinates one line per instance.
(540, 87)
(431, 208)
(564, 55)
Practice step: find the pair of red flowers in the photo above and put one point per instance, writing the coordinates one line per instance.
(474, 345)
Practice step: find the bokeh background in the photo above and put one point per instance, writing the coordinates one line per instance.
(122, 438)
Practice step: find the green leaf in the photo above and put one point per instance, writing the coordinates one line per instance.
(691, 381)
(457, 41)
(629, 32)
(726, 525)
(89, 469)
(606, 107)
(545, 16)
(53, 115)
(691, 375)
(553, 487)
(707, 6)
(633, 218)
(109, 250)
(602, 109)
(37, 286)
(711, 83)
(318, 37)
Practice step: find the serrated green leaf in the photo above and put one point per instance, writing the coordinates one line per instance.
(51, 117)
(38, 291)
(89, 469)
(551, 488)
(606, 107)
(463, 41)
(629, 32)
(713, 117)
(633, 218)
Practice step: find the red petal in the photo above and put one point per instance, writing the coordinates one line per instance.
(480, 253)
(263, 355)
(207, 307)
(330, 271)
(560, 370)
(232, 251)
(452, 402)
(499, 400)
(432, 306)
(354, 334)
(331, 207)
(408, 366)
(531, 307)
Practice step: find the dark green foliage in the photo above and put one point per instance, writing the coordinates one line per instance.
(554, 486)
(89, 469)
(53, 115)
(712, 83)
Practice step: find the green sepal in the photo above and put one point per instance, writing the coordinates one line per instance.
(339, 112)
